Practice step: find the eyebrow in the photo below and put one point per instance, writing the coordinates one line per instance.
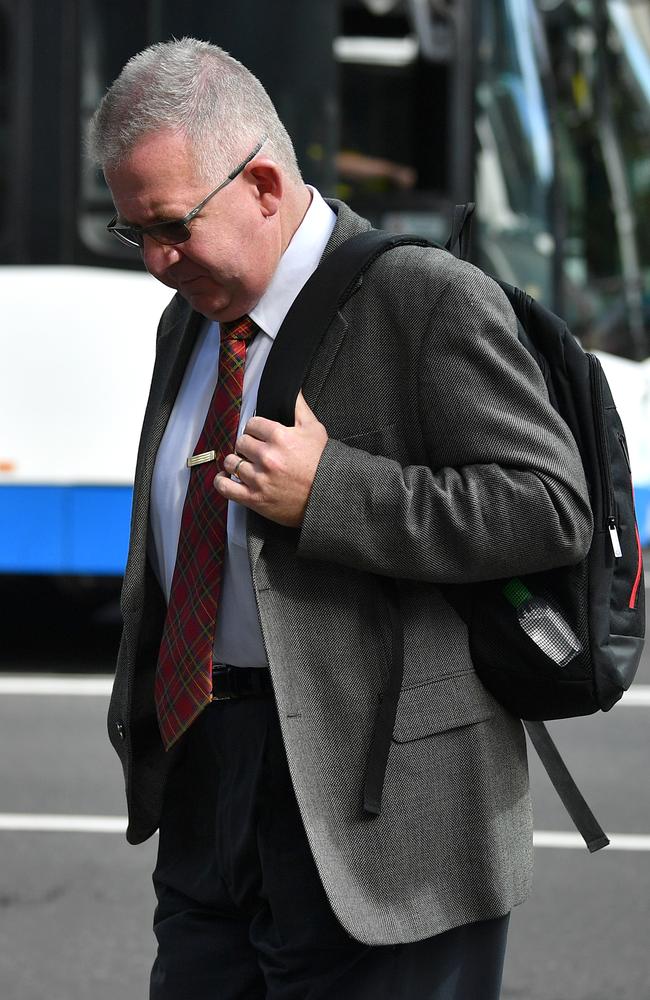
(155, 222)
(136, 225)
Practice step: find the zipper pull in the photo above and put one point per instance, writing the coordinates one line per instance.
(613, 537)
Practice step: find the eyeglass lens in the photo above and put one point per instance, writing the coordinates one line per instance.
(167, 233)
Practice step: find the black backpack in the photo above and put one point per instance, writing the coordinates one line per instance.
(603, 597)
(591, 615)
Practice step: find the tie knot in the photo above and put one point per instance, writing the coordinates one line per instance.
(243, 328)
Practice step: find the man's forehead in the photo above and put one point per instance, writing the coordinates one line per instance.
(158, 176)
(163, 155)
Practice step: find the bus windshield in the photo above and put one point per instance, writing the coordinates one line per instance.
(601, 65)
(514, 168)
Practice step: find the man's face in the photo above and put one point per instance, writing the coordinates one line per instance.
(236, 242)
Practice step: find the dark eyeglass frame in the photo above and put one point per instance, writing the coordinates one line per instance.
(133, 236)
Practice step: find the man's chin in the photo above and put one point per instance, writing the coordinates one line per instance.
(218, 310)
(207, 303)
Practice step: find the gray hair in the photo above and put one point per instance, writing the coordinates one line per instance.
(200, 91)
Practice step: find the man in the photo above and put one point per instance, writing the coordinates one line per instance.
(274, 571)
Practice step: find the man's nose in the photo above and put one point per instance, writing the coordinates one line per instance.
(157, 257)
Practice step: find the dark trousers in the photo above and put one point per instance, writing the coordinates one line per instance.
(241, 911)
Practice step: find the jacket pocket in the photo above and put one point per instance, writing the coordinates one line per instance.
(437, 706)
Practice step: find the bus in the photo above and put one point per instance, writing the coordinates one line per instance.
(540, 112)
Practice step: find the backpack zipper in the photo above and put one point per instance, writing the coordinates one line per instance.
(639, 553)
(603, 457)
(639, 567)
(626, 454)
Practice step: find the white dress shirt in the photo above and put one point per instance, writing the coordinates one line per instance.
(238, 639)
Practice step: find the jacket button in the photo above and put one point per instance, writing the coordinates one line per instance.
(120, 730)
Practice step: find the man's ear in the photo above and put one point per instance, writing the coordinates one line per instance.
(266, 184)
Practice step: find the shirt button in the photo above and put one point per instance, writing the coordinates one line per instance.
(121, 732)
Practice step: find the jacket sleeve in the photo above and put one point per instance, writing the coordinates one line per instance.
(502, 491)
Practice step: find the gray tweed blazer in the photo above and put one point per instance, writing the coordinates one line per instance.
(445, 463)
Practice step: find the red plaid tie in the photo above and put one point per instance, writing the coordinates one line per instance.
(183, 684)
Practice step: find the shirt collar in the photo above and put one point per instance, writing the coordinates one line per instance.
(297, 264)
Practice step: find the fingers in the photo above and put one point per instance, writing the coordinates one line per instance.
(272, 467)
(250, 448)
(236, 465)
(261, 428)
(231, 489)
(260, 438)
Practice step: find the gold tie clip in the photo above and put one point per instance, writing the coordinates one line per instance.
(205, 456)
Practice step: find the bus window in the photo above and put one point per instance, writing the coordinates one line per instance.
(515, 166)
(105, 47)
(393, 107)
(601, 62)
(5, 125)
(629, 73)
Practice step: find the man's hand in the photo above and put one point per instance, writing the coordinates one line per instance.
(275, 466)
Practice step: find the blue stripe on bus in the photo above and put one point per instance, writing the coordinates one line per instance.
(64, 529)
(85, 529)
(642, 504)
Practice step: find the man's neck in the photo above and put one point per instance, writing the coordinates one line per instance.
(299, 200)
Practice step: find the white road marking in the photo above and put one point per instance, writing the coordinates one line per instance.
(638, 695)
(101, 685)
(25, 822)
(62, 824)
(618, 841)
(96, 686)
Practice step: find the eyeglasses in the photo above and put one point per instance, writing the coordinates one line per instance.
(174, 231)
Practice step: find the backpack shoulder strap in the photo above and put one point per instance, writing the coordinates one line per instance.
(586, 823)
(459, 241)
(311, 314)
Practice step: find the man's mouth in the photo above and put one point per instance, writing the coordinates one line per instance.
(190, 284)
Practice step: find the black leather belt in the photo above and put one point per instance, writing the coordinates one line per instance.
(230, 682)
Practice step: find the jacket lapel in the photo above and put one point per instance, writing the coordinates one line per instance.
(173, 351)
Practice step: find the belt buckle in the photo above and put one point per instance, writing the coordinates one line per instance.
(226, 673)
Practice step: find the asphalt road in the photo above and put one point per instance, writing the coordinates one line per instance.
(75, 907)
